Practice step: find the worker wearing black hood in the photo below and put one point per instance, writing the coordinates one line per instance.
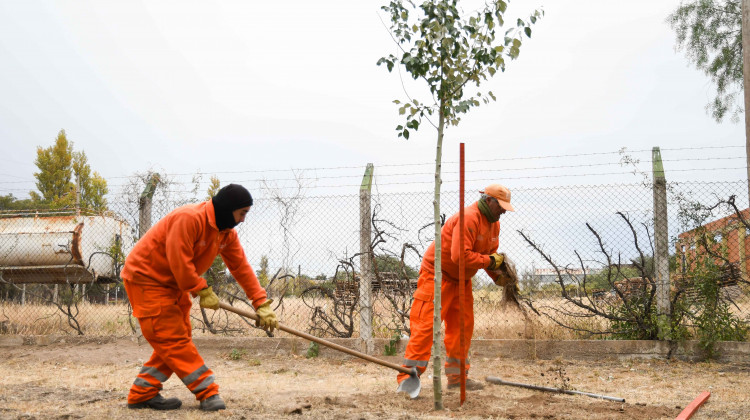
(226, 201)
(163, 270)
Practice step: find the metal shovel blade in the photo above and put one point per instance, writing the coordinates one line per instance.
(411, 385)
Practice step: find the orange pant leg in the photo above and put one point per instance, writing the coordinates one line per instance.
(419, 347)
(164, 316)
(453, 330)
(420, 341)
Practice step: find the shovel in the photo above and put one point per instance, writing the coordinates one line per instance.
(410, 386)
(499, 381)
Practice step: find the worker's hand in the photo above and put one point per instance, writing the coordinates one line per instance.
(208, 298)
(496, 260)
(266, 316)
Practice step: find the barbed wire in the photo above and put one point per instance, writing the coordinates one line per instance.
(408, 174)
(451, 181)
(619, 152)
(431, 181)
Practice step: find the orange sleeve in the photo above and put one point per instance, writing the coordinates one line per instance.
(473, 260)
(236, 261)
(181, 235)
(492, 275)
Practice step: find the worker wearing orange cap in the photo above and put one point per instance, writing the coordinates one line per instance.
(481, 230)
(160, 274)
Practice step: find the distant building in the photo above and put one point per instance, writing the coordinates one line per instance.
(569, 276)
(727, 237)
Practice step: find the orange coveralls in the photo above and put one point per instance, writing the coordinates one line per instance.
(480, 240)
(160, 272)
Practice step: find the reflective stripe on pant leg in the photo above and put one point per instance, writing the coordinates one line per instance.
(418, 348)
(453, 369)
(145, 386)
(453, 330)
(199, 381)
(152, 375)
(169, 336)
(148, 383)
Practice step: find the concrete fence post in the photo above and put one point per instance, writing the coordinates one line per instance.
(144, 205)
(365, 263)
(661, 253)
(144, 222)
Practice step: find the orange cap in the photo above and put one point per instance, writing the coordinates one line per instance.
(500, 193)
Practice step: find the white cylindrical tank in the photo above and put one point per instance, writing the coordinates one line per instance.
(58, 249)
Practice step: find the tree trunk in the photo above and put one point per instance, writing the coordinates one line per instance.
(437, 336)
(746, 80)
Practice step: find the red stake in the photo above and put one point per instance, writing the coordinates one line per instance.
(461, 275)
(694, 406)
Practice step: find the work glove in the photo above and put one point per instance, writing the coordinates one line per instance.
(496, 260)
(506, 273)
(208, 298)
(266, 316)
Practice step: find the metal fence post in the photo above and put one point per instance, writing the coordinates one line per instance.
(365, 263)
(661, 253)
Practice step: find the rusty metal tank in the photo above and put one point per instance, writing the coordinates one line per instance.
(62, 248)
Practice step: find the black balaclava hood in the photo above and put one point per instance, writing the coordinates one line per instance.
(227, 200)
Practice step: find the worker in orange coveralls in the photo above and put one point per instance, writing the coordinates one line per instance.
(481, 230)
(161, 273)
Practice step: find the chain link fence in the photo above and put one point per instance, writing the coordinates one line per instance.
(584, 257)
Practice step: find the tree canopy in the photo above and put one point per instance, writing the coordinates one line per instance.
(10, 202)
(389, 263)
(65, 173)
(451, 50)
(214, 187)
(710, 33)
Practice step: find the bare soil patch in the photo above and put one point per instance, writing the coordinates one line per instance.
(90, 378)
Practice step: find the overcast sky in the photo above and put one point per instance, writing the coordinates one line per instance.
(229, 87)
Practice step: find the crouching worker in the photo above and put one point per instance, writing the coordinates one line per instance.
(161, 273)
(481, 231)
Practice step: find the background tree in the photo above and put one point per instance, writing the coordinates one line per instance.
(214, 187)
(9, 202)
(63, 173)
(263, 271)
(216, 274)
(710, 33)
(390, 264)
(92, 187)
(451, 51)
(55, 172)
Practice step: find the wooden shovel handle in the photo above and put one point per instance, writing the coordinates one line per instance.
(319, 340)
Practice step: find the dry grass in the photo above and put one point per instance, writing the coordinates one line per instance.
(493, 318)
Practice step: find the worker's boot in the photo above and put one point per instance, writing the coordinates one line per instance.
(471, 385)
(159, 403)
(213, 403)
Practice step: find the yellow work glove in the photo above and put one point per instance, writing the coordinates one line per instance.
(208, 298)
(496, 260)
(266, 316)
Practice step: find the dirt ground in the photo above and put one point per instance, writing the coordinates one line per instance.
(89, 379)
